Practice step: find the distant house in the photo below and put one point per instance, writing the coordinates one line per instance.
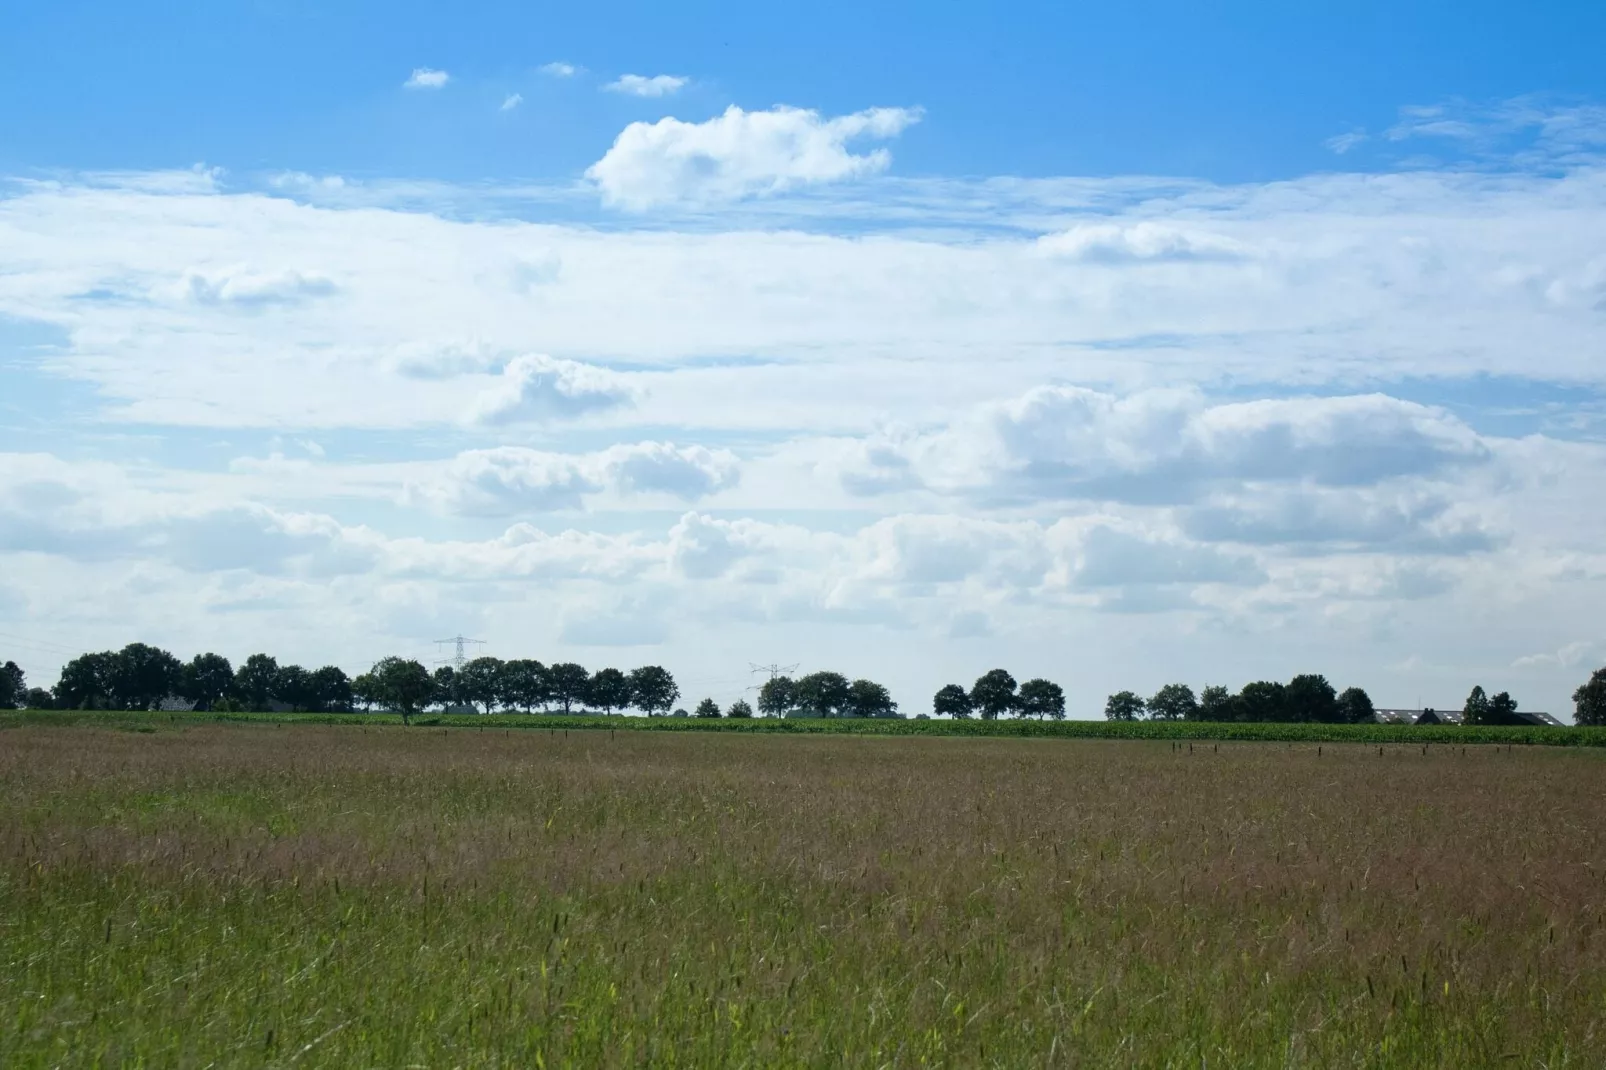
(1535, 717)
(1440, 717)
(1435, 716)
(174, 704)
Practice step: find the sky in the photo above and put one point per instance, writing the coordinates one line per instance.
(1114, 344)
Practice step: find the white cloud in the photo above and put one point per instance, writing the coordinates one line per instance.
(1163, 446)
(741, 154)
(1110, 243)
(511, 101)
(514, 480)
(636, 85)
(427, 78)
(559, 69)
(242, 286)
(1342, 143)
(537, 387)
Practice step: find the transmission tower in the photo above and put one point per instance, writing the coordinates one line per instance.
(773, 670)
(459, 657)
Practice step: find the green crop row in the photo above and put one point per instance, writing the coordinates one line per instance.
(1158, 730)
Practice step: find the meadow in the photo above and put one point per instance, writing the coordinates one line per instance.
(195, 893)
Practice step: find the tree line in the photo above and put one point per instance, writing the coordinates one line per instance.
(1307, 697)
(139, 677)
(995, 695)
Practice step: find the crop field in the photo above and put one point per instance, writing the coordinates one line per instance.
(255, 894)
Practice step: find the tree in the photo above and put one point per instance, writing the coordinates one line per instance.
(1215, 704)
(708, 708)
(143, 675)
(1263, 701)
(13, 685)
(740, 710)
(1309, 697)
(866, 698)
(481, 681)
(778, 696)
(1476, 710)
(37, 698)
(993, 694)
(1123, 706)
(1355, 706)
(404, 685)
(256, 680)
(447, 692)
(608, 690)
(653, 690)
(293, 687)
(330, 690)
(568, 683)
(86, 682)
(1589, 701)
(524, 684)
(365, 691)
(1042, 698)
(1174, 702)
(824, 694)
(951, 700)
(1503, 709)
(207, 679)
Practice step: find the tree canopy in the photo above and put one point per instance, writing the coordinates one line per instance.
(1174, 702)
(993, 694)
(951, 700)
(1589, 701)
(1123, 706)
(1042, 699)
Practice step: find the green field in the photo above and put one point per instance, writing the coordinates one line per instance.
(247, 894)
(1010, 727)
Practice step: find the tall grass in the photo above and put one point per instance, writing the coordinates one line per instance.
(365, 895)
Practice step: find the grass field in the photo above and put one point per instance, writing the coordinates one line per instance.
(258, 894)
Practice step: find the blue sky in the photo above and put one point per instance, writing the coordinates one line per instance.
(1118, 344)
(1229, 92)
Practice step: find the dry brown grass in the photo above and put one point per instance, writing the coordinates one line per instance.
(234, 894)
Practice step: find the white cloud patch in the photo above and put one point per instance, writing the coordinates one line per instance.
(244, 287)
(511, 101)
(1112, 243)
(1074, 443)
(514, 480)
(559, 69)
(427, 78)
(741, 154)
(658, 85)
(536, 388)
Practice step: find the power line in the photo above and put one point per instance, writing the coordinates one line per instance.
(459, 658)
(775, 670)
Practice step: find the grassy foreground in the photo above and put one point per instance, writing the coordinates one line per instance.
(252, 894)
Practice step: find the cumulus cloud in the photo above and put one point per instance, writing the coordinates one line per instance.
(427, 78)
(1066, 443)
(636, 85)
(244, 287)
(1114, 243)
(559, 69)
(536, 388)
(513, 480)
(741, 154)
(511, 101)
(1309, 518)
